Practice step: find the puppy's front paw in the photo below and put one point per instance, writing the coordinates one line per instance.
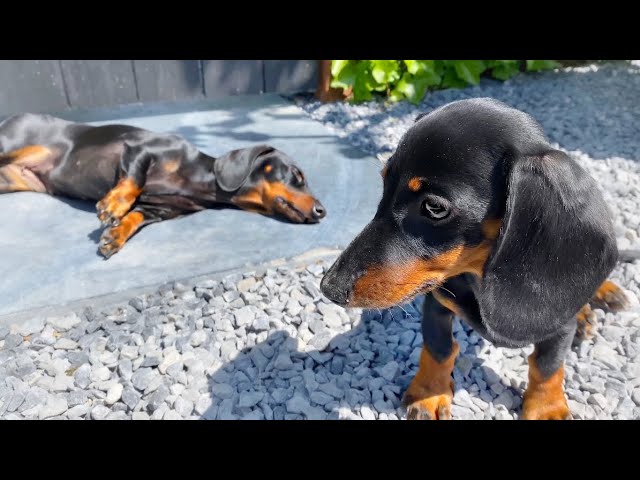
(543, 408)
(437, 407)
(428, 402)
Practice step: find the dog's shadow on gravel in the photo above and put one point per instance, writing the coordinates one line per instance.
(361, 373)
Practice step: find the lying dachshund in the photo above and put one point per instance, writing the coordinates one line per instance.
(141, 177)
(495, 226)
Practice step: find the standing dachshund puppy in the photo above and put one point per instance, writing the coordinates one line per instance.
(141, 177)
(494, 225)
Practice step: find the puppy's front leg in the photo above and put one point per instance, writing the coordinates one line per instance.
(114, 238)
(134, 165)
(544, 398)
(430, 393)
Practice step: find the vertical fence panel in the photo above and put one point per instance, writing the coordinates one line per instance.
(31, 86)
(232, 77)
(56, 85)
(289, 76)
(97, 83)
(168, 80)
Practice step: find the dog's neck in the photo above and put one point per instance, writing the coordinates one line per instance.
(203, 182)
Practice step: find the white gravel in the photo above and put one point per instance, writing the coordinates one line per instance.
(266, 344)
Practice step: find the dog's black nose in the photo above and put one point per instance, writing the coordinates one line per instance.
(318, 211)
(333, 292)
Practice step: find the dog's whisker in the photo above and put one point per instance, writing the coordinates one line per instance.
(447, 290)
(405, 312)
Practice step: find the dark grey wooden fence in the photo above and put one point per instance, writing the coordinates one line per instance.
(50, 86)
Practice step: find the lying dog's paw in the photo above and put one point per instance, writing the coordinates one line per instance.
(611, 297)
(111, 241)
(111, 210)
(117, 202)
(427, 402)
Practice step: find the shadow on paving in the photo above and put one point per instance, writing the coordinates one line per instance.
(235, 128)
(276, 380)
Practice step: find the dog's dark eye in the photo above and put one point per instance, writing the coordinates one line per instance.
(435, 208)
(298, 178)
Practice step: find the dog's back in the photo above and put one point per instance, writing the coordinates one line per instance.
(43, 153)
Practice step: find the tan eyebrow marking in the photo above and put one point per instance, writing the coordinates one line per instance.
(415, 184)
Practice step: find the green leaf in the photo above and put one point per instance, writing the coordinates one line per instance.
(337, 66)
(345, 73)
(361, 90)
(410, 79)
(450, 79)
(416, 66)
(470, 70)
(413, 87)
(412, 66)
(395, 95)
(537, 65)
(497, 63)
(440, 66)
(504, 69)
(385, 71)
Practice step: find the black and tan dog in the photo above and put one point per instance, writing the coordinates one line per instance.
(494, 225)
(141, 177)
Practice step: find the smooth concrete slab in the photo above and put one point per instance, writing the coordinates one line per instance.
(48, 246)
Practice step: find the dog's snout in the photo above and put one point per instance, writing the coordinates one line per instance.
(318, 211)
(330, 288)
(340, 283)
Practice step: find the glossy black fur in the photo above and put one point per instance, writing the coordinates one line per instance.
(175, 177)
(437, 331)
(555, 247)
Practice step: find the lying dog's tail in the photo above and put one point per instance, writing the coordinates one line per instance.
(628, 255)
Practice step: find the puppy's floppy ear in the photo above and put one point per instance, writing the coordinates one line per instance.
(420, 115)
(555, 248)
(233, 168)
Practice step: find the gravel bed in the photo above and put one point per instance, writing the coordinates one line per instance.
(267, 345)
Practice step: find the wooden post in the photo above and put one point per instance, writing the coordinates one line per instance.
(324, 92)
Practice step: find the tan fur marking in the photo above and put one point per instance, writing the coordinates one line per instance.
(430, 393)
(544, 398)
(119, 200)
(415, 184)
(117, 236)
(171, 166)
(383, 286)
(262, 198)
(447, 303)
(611, 296)
(29, 155)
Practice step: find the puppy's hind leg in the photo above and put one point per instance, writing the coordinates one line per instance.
(609, 296)
(15, 178)
(17, 169)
